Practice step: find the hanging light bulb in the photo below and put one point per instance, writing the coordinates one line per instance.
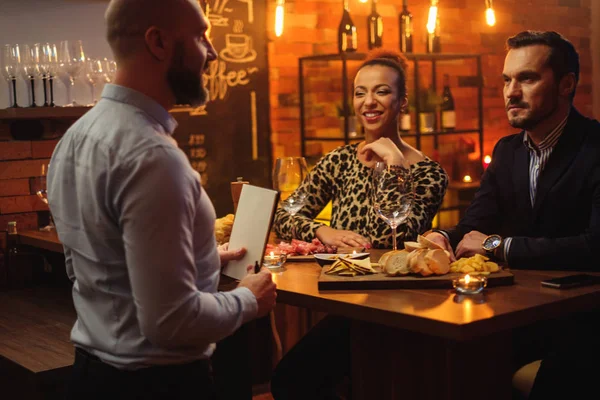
(363, 1)
(279, 17)
(490, 16)
(431, 20)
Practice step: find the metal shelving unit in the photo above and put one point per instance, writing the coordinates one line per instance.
(415, 59)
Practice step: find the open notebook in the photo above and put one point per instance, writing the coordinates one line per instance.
(251, 228)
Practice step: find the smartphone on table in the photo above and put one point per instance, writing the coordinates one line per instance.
(571, 281)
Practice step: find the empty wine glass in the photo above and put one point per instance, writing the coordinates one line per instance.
(110, 69)
(11, 66)
(288, 174)
(71, 60)
(8, 80)
(49, 57)
(42, 69)
(39, 185)
(30, 68)
(94, 74)
(392, 195)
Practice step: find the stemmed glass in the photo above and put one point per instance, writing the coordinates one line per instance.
(71, 60)
(30, 68)
(110, 69)
(393, 195)
(49, 57)
(288, 174)
(41, 190)
(11, 65)
(94, 75)
(8, 80)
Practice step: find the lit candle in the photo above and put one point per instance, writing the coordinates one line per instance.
(467, 178)
(486, 161)
(470, 284)
(274, 261)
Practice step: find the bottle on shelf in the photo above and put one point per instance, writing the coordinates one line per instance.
(12, 252)
(447, 107)
(405, 120)
(406, 29)
(375, 26)
(347, 36)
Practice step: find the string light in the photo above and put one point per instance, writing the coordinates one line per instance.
(279, 13)
(432, 18)
(363, 1)
(490, 16)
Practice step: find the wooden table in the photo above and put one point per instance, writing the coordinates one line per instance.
(47, 240)
(432, 343)
(429, 343)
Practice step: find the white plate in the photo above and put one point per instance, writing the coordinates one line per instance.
(333, 257)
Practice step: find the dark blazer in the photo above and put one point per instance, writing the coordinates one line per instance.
(562, 229)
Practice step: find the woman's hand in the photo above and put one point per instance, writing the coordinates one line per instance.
(227, 255)
(341, 238)
(383, 149)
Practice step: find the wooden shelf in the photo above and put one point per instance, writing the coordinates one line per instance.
(42, 113)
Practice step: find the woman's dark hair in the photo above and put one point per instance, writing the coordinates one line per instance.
(563, 58)
(392, 59)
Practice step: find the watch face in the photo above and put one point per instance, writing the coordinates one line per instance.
(492, 242)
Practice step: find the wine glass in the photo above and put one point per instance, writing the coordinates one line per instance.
(288, 174)
(41, 190)
(110, 69)
(30, 68)
(11, 66)
(71, 60)
(50, 60)
(392, 195)
(94, 74)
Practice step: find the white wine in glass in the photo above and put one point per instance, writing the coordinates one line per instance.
(392, 195)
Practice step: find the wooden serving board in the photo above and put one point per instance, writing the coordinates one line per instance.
(382, 281)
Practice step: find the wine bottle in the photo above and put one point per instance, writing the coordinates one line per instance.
(347, 38)
(375, 24)
(406, 29)
(405, 120)
(447, 107)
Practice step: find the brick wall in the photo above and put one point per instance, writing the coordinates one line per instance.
(20, 164)
(311, 28)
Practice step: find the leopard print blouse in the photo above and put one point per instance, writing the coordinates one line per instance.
(341, 178)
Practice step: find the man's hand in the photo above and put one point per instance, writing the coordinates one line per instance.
(227, 255)
(341, 238)
(440, 239)
(263, 287)
(471, 244)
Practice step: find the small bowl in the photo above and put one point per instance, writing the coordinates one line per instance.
(474, 285)
(325, 259)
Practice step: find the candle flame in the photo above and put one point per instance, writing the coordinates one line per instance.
(272, 255)
(467, 279)
(487, 159)
(467, 178)
(353, 251)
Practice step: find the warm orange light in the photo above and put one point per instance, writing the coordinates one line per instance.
(487, 159)
(432, 17)
(490, 16)
(467, 278)
(467, 178)
(272, 255)
(279, 13)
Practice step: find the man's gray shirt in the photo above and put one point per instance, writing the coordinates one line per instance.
(138, 235)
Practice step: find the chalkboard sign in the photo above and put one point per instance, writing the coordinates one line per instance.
(230, 136)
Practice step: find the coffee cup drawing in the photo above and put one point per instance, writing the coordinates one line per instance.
(238, 48)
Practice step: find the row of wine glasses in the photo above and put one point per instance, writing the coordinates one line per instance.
(47, 62)
(392, 195)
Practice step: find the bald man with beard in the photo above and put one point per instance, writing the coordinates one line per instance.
(136, 224)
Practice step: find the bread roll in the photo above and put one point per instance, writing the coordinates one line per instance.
(437, 261)
(428, 243)
(396, 263)
(411, 246)
(385, 256)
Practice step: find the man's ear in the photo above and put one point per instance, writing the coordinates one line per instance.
(567, 85)
(156, 43)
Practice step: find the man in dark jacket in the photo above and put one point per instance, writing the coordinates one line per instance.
(538, 206)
